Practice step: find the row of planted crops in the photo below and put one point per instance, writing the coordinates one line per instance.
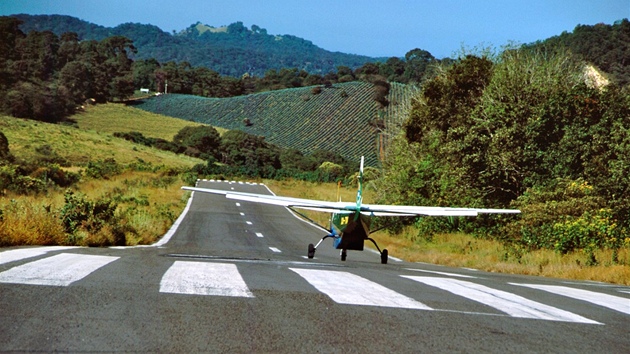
(339, 118)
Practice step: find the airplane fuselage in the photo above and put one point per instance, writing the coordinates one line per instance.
(350, 230)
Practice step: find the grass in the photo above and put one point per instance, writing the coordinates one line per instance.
(31, 141)
(147, 201)
(118, 118)
(147, 205)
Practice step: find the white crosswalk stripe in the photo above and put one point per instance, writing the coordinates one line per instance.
(347, 288)
(343, 287)
(200, 278)
(512, 304)
(24, 253)
(59, 270)
(612, 302)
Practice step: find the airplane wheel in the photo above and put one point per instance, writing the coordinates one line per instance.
(343, 255)
(384, 257)
(311, 250)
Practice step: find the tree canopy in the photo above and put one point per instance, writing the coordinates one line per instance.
(45, 77)
(522, 130)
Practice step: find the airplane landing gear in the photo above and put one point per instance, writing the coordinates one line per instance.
(312, 248)
(384, 253)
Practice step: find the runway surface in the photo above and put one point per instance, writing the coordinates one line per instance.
(234, 277)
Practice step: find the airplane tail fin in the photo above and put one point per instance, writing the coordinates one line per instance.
(360, 191)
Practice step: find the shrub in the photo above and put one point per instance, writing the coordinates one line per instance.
(80, 216)
(564, 216)
(102, 169)
(5, 154)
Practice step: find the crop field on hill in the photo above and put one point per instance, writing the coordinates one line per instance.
(340, 118)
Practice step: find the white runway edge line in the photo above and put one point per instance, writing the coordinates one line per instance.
(513, 305)
(60, 270)
(173, 229)
(612, 302)
(347, 288)
(199, 278)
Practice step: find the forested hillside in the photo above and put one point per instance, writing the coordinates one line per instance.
(607, 47)
(46, 77)
(232, 50)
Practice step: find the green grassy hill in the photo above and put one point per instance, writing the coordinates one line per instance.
(343, 118)
(31, 140)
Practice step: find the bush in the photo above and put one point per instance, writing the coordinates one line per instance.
(5, 154)
(564, 216)
(102, 169)
(80, 216)
(198, 141)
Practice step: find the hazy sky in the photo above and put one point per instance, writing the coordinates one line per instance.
(375, 28)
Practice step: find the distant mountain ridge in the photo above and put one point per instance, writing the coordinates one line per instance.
(231, 50)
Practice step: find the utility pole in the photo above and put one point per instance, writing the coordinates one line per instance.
(165, 86)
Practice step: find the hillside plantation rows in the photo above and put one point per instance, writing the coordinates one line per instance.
(299, 118)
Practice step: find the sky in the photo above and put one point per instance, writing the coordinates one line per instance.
(377, 28)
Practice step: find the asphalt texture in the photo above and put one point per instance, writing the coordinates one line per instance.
(234, 277)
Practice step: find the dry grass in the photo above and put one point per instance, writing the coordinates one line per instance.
(147, 206)
(27, 221)
(148, 202)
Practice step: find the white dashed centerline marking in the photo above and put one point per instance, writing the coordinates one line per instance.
(238, 204)
(258, 234)
(275, 249)
(248, 222)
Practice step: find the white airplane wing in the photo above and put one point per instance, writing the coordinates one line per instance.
(340, 207)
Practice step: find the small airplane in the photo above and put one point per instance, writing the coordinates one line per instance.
(350, 222)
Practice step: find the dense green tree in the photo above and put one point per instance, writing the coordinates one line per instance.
(525, 129)
(606, 46)
(200, 141)
(417, 63)
(293, 159)
(117, 65)
(252, 153)
(394, 69)
(144, 74)
(69, 49)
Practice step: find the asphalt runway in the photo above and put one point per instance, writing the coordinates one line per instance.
(234, 277)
